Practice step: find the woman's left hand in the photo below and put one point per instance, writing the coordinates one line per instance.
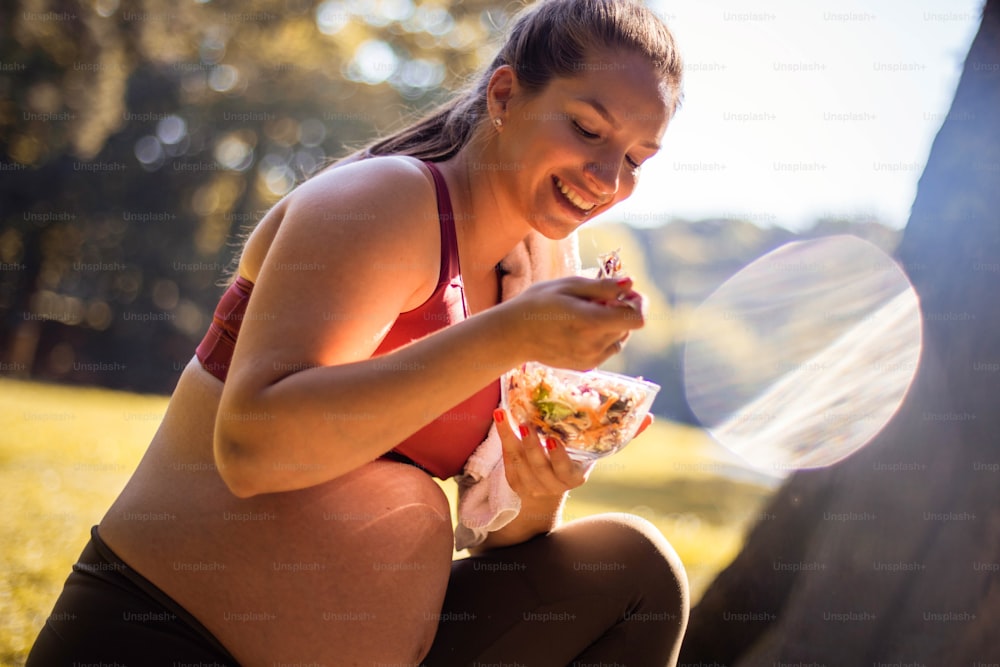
(533, 474)
(541, 479)
(536, 470)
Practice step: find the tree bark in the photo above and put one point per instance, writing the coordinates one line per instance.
(893, 556)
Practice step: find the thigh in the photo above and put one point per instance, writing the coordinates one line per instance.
(607, 585)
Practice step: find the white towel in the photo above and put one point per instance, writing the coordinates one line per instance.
(485, 500)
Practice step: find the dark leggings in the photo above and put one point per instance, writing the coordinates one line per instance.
(109, 614)
(606, 590)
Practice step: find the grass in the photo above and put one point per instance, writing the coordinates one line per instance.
(65, 453)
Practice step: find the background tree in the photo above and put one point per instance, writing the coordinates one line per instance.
(893, 556)
(138, 139)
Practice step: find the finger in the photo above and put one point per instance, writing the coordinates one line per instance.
(634, 300)
(532, 475)
(620, 316)
(569, 472)
(647, 421)
(517, 468)
(606, 303)
(604, 290)
(538, 475)
(511, 446)
(618, 344)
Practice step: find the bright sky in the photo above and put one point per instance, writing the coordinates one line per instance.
(795, 110)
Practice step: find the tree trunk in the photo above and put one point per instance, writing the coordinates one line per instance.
(893, 556)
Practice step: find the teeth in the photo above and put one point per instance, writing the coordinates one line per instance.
(573, 197)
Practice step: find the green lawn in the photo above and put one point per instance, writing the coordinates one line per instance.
(66, 452)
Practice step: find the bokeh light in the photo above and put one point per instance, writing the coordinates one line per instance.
(374, 61)
(233, 152)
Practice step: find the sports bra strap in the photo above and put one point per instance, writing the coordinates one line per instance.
(446, 218)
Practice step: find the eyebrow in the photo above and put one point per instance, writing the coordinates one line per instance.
(606, 115)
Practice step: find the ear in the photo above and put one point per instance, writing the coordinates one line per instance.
(500, 90)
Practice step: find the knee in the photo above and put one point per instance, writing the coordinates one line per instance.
(647, 561)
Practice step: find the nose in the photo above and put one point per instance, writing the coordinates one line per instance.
(604, 177)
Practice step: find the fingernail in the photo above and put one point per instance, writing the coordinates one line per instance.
(551, 443)
(524, 431)
(621, 282)
(498, 416)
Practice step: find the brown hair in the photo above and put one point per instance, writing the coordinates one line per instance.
(549, 39)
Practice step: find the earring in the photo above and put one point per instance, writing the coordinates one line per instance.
(498, 123)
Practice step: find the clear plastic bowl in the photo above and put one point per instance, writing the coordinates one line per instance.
(594, 413)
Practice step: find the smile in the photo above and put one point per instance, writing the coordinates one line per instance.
(573, 196)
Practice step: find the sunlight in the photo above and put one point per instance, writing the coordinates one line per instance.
(798, 110)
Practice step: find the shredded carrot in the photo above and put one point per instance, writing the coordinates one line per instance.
(607, 405)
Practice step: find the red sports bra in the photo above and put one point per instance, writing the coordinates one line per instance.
(441, 447)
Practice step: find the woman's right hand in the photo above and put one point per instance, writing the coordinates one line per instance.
(575, 322)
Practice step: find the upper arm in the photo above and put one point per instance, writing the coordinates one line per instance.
(355, 246)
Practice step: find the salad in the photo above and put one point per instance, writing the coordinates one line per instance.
(594, 413)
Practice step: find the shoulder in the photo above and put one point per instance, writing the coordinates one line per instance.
(384, 206)
(374, 189)
(381, 205)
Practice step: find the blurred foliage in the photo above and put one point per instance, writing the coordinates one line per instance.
(138, 139)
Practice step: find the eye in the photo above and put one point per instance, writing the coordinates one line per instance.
(586, 133)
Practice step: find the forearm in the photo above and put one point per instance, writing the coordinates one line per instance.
(319, 423)
(286, 431)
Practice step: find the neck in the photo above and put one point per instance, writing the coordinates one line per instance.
(486, 234)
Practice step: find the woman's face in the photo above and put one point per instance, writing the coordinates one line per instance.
(574, 149)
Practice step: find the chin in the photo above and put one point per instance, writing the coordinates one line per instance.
(557, 231)
(559, 222)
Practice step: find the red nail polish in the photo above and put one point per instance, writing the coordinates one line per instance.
(551, 443)
(524, 431)
(498, 416)
(621, 282)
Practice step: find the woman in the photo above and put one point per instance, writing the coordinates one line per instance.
(284, 514)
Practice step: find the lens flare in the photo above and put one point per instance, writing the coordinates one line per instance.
(804, 355)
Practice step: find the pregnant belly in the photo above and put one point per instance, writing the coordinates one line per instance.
(265, 574)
